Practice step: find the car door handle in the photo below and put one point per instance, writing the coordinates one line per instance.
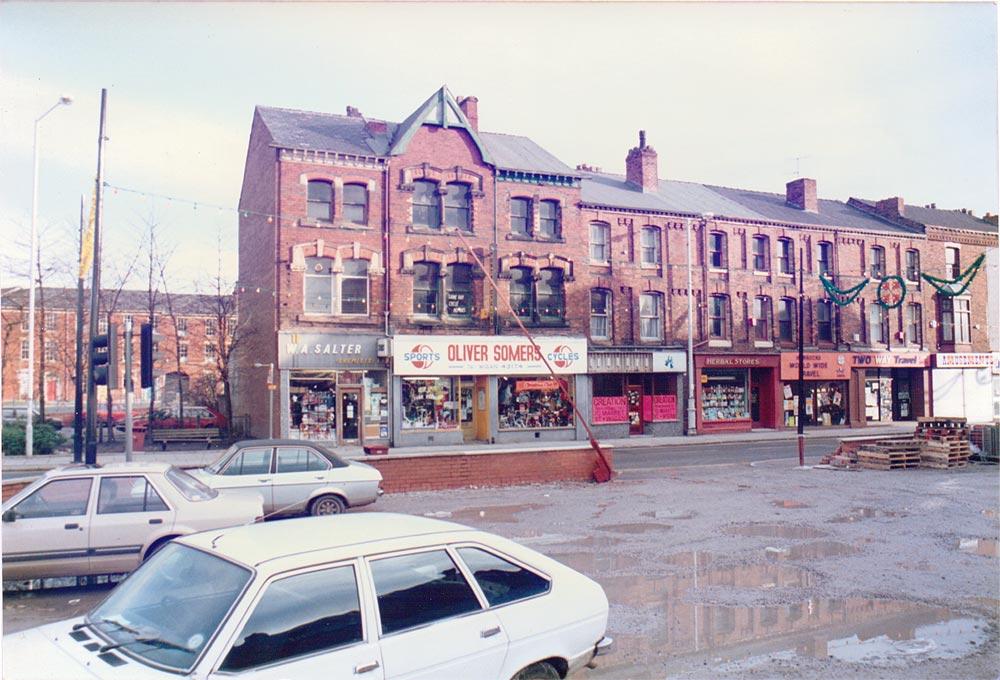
(264, 480)
(320, 477)
(156, 521)
(490, 632)
(71, 525)
(365, 667)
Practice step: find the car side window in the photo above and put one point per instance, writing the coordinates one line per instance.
(300, 615)
(250, 462)
(297, 459)
(128, 494)
(414, 590)
(58, 498)
(500, 580)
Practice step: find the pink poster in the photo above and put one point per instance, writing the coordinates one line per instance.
(609, 410)
(647, 408)
(665, 407)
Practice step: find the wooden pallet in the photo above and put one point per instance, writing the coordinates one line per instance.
(935, 446)
(943, 419)
(944, 465)
(880, 460)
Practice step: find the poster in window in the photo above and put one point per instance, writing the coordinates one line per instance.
(609, 410)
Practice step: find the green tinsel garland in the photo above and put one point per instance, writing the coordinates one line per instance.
(946, 287)
(838, 296)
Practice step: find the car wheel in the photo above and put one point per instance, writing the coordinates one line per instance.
(326, 505)
(537, 671)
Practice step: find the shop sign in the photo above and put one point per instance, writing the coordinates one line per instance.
(609, 410)
(981, 360)
(328, 350)
(486, 355)
(730, 361)
(890, 359)
(817, 366)
(539, 385)
(659, 407)
(669, 362)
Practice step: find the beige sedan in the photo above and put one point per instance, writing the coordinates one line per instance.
(83, 520)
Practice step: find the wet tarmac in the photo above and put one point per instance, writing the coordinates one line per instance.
(775, 531)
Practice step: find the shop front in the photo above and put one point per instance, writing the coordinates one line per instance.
(737, 392)
(966, 385)
(636, 392)
(334, 388)
(454, 389)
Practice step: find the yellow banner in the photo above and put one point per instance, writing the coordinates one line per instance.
(87, 247)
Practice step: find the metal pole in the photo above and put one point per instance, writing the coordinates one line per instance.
(128, 389)
(91, 452)
(692, 427)
(801, 382)
(78, 382)
(270, 401)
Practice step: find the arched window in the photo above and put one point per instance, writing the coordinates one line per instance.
(548, 220)
(718, 316)
(786, 319)
(877, 266)
(600, 314)
(319, 204)
(318, 286)
(651, 246)
(456, 206)
(913, 265)
(521, 298)
(650, 316)
(786, 256)
(520, 216)
(600, 242)
(762, 318)
(426, 288)
(551, 298)
(824, 321)
(459, 290)
(426, 209)
(717, 250)
(824, 259)
(761, 253)
(356, 203)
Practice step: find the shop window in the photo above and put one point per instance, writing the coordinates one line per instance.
(426, 209)
(600, 243)
(600, 314)
(762, 318)
(878, 324)
(824, 321)
(786, 256)
(786, 316)
(429, 404)
(548, 220)
(913, 265)
(952, 263)
(650, 316)
(761, 253)
(356, 203)
(532, 403)
(717, 250)
(326, 292)
(607, 385)
(551, 298)
(718, 316)
(319, 203)
(520, 216)
(520, 292)
(824, 261)
(914, 324)
(825, 403)
(459, 290)
(956, 320)
(876, 255)
(456, 206)
(426, 288)
(651, 246)
(724, 395)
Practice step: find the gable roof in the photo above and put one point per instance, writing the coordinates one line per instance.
(442, 110)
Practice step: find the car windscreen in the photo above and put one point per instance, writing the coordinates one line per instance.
(192, 488)
(217, 464)
(168, 610)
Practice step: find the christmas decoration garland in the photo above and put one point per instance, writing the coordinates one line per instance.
(891, 292)
(842, 298)
(947, 287)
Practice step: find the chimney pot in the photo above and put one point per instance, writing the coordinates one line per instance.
(642, 166)
(642, 139)
(353, 112)
(470, 107)
(801, 193)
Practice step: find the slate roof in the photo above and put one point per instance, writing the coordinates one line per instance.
(128, 301)
(950, 219)
(514, 152)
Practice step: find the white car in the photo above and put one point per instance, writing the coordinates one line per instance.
(81, 520)
(375, 596)
(293, 477)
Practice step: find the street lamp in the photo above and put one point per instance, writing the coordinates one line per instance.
(692, 427)
(29, 429)
(270, 401)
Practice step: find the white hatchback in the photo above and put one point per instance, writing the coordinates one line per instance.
(80, 520)
(371, 596)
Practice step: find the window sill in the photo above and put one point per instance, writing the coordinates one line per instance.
(443, 231)
(718, 270)
(720, 343)
(316, 224)
(539, 324)
(759, 272)
(651, 341)
(595, 263)
(336, 318)
(650, 267)
(534, 239)
(766, 344)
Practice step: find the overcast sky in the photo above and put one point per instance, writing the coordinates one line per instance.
(875, 100)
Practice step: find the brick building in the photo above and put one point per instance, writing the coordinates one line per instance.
(363, 245)
(194, 341)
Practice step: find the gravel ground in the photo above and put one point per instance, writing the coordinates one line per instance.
(766, 570)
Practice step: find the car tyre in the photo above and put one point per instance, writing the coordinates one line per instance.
(327, 505)
(537, 671)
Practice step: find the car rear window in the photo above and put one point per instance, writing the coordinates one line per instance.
(500, 580)
(190, 488)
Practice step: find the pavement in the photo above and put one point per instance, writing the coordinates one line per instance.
(17, 466)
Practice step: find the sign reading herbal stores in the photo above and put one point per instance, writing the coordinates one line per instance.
(486, 355)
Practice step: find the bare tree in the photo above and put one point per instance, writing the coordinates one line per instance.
(154, 265)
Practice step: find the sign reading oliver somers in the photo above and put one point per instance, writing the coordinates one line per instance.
(486, 355)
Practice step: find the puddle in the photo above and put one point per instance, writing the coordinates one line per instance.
(858, 514)
(775, 531)
(950, 639)
(811, 551)
(635, 528)
(693, 559)
(669, 514)
(791, 505)
(987, 547)
(491, 513)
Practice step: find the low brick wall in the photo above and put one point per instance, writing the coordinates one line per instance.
(428, 472)
(13, 486)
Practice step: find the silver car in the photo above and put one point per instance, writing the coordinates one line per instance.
(293, 477)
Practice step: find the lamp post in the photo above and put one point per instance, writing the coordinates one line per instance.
(270, 398)
(29, 428)
(692, 427)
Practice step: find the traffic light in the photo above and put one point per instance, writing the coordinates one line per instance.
(104, 357)
(146, 355)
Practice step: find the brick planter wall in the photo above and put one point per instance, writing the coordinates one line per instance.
(12, 487)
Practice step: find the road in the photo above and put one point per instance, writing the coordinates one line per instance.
(708, 454)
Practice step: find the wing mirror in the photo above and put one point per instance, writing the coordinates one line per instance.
(9, 516)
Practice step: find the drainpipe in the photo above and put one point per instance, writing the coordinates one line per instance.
(387, 287)
(493, 258)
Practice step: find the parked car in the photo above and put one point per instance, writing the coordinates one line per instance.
(80, 520)
(293, 476)
(375, 595)
(19, 414)
(194, 416)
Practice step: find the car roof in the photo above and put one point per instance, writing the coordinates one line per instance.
(109, 469)
(352, 534)
(330, 455)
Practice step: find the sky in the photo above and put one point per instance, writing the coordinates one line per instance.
(871, 100)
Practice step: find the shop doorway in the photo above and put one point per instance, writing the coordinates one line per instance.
(633, 395)
(350, 416)
(466, 410)
(480, 409)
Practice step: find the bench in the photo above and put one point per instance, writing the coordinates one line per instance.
(190, 434)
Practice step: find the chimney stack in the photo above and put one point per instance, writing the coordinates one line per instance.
(470, 107)
(801, 193)
(990, 218)
(641, 166)
(891, 207)
(353, 112)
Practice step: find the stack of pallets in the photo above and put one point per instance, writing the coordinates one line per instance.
(944, 442)
(890, 454)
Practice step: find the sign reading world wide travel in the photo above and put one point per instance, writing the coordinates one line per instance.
(486, 355)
